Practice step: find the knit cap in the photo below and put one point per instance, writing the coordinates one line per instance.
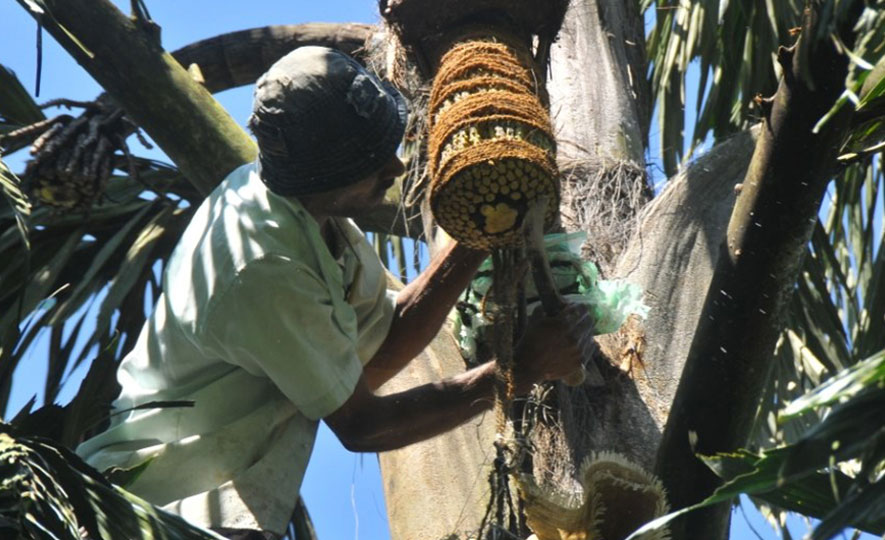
(322, 121)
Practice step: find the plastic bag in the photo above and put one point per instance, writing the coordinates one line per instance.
(610, 301)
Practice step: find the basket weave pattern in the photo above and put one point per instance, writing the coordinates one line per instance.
(491, 150)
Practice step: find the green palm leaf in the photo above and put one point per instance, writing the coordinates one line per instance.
(18, 202)
(17, 110)
(110, 250)
(17, 107)
(733, 50)
(47, 492)
(790, 476)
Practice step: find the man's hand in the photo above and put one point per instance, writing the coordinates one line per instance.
(554, 347)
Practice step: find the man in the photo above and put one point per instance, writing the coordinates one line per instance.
(275, 314)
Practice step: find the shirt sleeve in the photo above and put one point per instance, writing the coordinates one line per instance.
(278, 319)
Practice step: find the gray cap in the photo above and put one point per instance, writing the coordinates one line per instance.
(323, 121)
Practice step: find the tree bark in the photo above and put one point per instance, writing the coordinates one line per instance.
(438, 489)
(730, 356)
(598, 104)
(672, 255)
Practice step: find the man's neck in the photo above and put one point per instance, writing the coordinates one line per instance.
(311, 206)
(324, 221)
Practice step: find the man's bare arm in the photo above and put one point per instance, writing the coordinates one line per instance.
(370, 423)
(421, 308)
(551, 349)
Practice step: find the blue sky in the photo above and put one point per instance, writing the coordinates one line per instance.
(342, 490)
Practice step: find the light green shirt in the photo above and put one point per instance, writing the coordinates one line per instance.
(266, 332)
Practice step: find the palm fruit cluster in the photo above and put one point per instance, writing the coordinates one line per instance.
(491, 151)
(73, 160)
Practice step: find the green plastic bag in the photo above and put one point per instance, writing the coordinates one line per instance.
(610, 301)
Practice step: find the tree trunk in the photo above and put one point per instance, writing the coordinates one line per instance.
(438, 489)
(729, 360)
(599, 105)
(672, 255)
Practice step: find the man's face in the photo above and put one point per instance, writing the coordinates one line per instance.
(366, 194)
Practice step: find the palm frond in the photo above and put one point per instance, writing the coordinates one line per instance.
(88, 265)
(733, 50)
(20, 116)
(47, 492)
(18, 201)
(731, 44)
(868, 132)
(790, 476)
(17, 107)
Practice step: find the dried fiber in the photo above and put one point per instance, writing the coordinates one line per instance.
(615, 498)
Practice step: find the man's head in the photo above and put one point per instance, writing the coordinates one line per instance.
(323, 122)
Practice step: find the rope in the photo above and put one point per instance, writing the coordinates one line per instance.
(503, 513)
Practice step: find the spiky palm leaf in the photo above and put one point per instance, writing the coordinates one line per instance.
(47, 492)
(17, 109)
(107, 255)
(102, 264)
(801, 476)
(19, 205)
(111, 250)
(732, 45)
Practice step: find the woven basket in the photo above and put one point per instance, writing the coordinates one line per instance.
(491, 151)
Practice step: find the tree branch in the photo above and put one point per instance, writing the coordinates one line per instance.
(729, 360)
(239, 58)
(129, 63)
(160, 96)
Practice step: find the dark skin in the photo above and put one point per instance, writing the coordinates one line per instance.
(551, 348)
